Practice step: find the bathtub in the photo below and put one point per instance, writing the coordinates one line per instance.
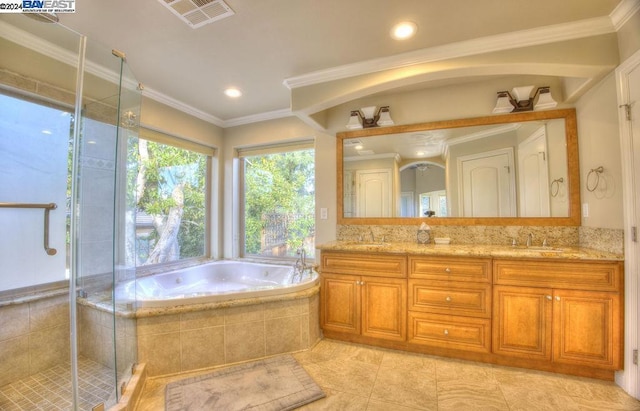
(213, 282)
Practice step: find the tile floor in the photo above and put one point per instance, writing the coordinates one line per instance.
(50, 390)
(357, 377)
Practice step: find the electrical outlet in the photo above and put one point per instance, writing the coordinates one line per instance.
(323, 213)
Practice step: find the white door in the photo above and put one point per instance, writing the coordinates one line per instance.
(533, 175)
(407, 204)
(487, 188)
(374, 193)
(628, 75)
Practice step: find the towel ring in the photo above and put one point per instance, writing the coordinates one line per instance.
(597, 172)
(556, 189)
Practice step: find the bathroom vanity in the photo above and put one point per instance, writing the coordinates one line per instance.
(550, 309)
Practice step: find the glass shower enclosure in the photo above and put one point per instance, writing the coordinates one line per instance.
(69, 108)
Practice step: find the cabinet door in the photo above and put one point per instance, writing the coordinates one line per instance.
(340, 303)
(586, 328)
(522, 322)
(384, 308)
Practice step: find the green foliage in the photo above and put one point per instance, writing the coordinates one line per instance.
(282, 185)
(165, 168)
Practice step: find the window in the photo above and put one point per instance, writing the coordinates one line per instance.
(278, 200)
(34, 153)
(168, 179)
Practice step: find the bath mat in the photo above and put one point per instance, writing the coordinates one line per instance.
(277, 383)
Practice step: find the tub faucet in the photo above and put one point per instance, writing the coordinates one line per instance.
(301, 267)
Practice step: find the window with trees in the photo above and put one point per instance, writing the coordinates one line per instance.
(278, 200)
(168, 181)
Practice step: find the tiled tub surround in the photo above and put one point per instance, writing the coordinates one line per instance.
(610, 240)
(186, 338)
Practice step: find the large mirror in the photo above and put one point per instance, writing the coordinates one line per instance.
(515, 169)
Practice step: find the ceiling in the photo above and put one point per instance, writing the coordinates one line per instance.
(270, 47)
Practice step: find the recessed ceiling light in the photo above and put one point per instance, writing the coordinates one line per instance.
(358, 147)
(233, 92)
(404, 30)
(419, 153)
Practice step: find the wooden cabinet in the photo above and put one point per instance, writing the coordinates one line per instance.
(450, 303)
(577, 325)
(549, 314)
(370, 305)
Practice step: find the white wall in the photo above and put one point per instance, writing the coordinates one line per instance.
(599, 145)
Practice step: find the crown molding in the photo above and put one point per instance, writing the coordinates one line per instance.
(623, 12)
(523, 38)
(178, 105)
(254, 118)
(44, 47)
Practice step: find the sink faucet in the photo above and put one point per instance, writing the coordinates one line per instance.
(529, 240)
(373, 238)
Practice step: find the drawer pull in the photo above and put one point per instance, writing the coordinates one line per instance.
(446, 332)
(549, 297)
(447, 270)
(448, 299)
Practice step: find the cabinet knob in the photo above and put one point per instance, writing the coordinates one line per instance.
(446, 332)
(448, 299)
(447, 270)
(549, 297)
(557, 298)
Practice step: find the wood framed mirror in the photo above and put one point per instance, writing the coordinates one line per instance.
(513, 169)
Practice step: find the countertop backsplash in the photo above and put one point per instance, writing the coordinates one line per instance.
(610, 240)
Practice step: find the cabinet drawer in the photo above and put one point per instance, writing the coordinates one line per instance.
(452, 332)
(447, 268)
(572, 275)
(365, 264)
(451, 298)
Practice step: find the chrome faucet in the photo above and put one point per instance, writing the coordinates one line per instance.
(300, 267)
(529, 240)
(373, 237)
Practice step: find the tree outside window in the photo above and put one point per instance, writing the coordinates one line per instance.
(168, 185)
(279, 203)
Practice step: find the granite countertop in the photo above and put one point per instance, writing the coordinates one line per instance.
(467, 250)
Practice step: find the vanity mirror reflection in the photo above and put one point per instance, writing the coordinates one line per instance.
(514, 169)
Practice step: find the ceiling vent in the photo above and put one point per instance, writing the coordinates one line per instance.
(197, 13)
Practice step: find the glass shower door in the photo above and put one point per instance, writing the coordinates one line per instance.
(64, 343)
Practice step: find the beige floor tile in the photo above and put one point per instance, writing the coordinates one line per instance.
(348, 376)
(336, 400)
(410, 388)
(385, 406)
(362, 378)
(470, 395)
(458, 370)
(533, 398)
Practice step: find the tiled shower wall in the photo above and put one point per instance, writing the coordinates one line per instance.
(34, 336)
(191, 340)
(96, 334)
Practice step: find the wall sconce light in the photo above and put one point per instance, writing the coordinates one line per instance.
(368, 117)
(521, 100)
